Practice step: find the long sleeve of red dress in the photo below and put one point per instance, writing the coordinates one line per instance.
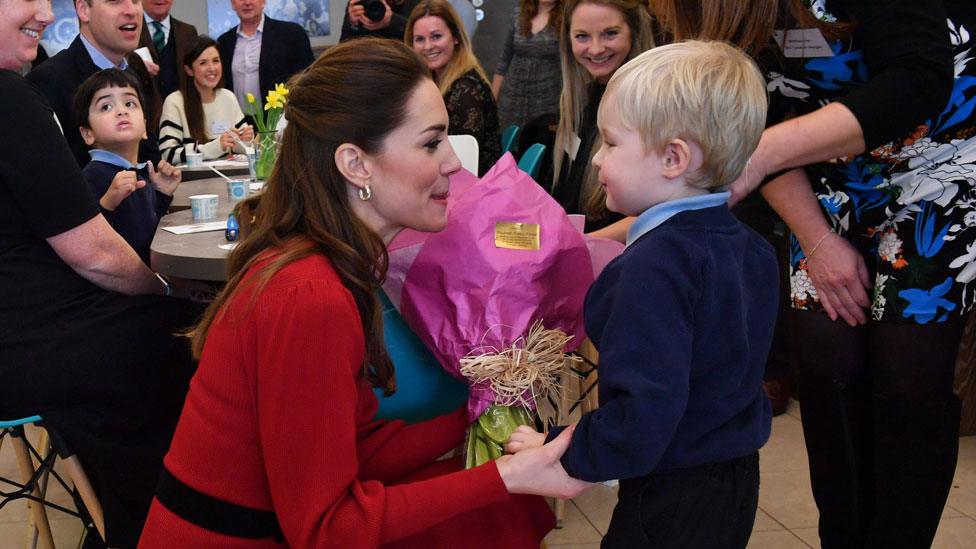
(280, 418)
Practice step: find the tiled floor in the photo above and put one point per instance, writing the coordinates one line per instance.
(787, 516)
(786, 519)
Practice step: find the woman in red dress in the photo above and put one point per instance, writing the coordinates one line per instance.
(278, 444)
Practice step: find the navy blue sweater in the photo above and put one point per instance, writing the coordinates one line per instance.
(683, 320)
(137, 216)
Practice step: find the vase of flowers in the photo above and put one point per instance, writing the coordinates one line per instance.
(266, 119)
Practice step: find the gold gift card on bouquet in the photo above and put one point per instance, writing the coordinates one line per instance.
(517, 236)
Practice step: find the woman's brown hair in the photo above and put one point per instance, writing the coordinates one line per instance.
(530, 8)
(192, 102)
(305, 209)
(463, 59)
(747, 24)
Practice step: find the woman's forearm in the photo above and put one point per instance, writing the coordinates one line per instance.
(794, 200)
(827, 133)
(497, 82)
(96, 252)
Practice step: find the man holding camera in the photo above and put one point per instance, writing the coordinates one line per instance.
(261, 51)
(381, 18)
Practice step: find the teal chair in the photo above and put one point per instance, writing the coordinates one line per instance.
(531, 160)
(36, 466)
(424, 389)
(508, 138)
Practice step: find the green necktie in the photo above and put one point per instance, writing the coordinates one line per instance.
(159, 37)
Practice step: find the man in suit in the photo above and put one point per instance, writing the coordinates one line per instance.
(261, 51)
(108, 32)
(167, 39)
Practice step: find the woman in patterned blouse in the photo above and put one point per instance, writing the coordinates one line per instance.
(435, 32)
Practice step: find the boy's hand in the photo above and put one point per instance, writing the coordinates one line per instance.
(166, 179)
(123, 184)
(523, 438)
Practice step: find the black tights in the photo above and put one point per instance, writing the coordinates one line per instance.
(881, 426)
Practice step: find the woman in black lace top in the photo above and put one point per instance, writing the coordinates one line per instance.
(435, 32)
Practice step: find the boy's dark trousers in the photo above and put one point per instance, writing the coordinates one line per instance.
(711, 506)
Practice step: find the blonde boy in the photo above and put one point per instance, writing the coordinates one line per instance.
(683, 319)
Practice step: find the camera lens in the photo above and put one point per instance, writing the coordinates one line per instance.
(375, 9)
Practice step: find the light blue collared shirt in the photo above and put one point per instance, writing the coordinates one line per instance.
(109, 157)
(152, 28)
(99, 58)
(244, 65)
(659, 213)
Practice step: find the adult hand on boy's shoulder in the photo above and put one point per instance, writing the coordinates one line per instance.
(123, 184)
(523, 438)
(166, 179)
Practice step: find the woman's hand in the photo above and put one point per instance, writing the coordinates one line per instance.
(246, 133)
(369, 24)
(538, 470)
(841, 278)
(227, 140)
(523, 438)
(166, 179)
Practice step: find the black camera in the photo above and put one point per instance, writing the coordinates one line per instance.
(375, 9)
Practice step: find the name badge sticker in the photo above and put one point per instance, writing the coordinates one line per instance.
(218, 128)
(802, 43)
(517, 236)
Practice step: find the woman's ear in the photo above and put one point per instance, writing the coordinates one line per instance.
(676, 159)
(188, 71)
(353, 164)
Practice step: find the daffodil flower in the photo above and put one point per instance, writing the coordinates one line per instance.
(250, 98)
(281, 90)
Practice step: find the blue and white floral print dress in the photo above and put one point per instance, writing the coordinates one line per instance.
(908, 206)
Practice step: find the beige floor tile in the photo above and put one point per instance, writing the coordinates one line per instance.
(576, 529)
(786, 497)
(765, 523)
(967, 447)
(962, 495)
(955, 533)
(597, 505)
(810, 536)
(950, 512)
(785, 450)
(13, 535)
(778, 539)
(14, 511)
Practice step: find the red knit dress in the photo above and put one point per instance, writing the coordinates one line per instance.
(280, 418)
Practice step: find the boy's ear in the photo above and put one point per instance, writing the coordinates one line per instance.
(87, 135)
(676, 158)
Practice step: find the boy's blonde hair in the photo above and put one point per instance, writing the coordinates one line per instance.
(706, 92)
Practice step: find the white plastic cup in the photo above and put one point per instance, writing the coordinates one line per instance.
(236, 189)
(143, 53)
(203, 206)
(194, 159)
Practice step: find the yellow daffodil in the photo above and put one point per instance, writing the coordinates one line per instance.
(281, 90)
(250, 98)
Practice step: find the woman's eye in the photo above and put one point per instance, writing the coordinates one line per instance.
(432, 144)
(435, 37)
(611, 34)
(579, 37)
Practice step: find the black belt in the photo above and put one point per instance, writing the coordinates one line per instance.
(215, 514)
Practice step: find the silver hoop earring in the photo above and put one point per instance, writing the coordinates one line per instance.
(365, 193)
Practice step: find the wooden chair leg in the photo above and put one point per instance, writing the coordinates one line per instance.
(559, 509)
(37, 512)
(80, 479)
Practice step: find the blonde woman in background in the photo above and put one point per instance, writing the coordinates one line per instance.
(435, 32)
(596, 38)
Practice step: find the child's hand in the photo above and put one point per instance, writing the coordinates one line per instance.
(123, 184)
(523, 438)
(166, 179)
(228, 140)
